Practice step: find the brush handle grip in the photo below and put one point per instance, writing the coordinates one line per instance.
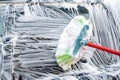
(103, 48)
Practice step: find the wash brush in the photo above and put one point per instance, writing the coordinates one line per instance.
(72, 42)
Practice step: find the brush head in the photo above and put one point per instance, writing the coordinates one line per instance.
(70, 47)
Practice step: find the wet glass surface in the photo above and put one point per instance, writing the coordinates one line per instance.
(29, 36)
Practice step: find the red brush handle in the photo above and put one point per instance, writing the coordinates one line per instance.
(103, 48)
